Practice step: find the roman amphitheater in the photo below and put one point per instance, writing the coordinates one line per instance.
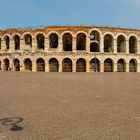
(70, 49)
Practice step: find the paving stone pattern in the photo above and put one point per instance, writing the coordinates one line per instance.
(69, 106)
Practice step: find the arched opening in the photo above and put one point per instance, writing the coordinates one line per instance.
(28, 40)
(95, 65)
(67, 42)
(108, 43)
(81, 41)
(121, 65)
(108, 65)
(95, 36)
(121, 44)
(132, 66)
(40, 41)
(132, 44)
(81, 65)
(28, 64)
(53, 65)
(40, 65)
(7, 42)
(16, 65)
(53, 38)
(17, 42)
(94, 47)
(67, 65)
(94, 41)
(6, 65)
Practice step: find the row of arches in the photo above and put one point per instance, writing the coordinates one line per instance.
(81, 40)
(121, 65)
(67, 65)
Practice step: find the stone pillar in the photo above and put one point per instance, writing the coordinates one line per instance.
(127, 67)
(74, 66)
(101, 67)
(22, 44)
(138, 67)
(33, 65)
(11, 64)
(47, 44)
(87, 44)
(2, 65)
(46, 66)
(101, 45)
(115, 67)
(12, 45)
(127, 46)
(115, 46)
(22, 65)
(21, 68)
(87, 66)
(60, 66)
(3, 45)
(74, 45)
(34, 44)
(60, 44)
(138, 47)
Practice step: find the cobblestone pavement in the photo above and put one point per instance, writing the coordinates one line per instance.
(69, 106)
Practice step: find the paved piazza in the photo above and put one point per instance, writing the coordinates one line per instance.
(69, 106)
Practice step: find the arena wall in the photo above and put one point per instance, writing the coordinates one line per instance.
(70, 49)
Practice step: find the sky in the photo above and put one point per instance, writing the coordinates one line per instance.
(37, 13)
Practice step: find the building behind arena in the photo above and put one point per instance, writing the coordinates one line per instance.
(70, 49)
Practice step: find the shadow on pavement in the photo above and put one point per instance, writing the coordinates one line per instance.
(13, 123)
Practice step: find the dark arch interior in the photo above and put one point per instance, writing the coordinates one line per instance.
(94, 47)
(28, 39)
(81, 42)
(121, 65)
(53, 64)
(17, 65)
(53, 40)
(7, 42)
(94, 65)
(40, 41)
(67, 65)
(94, 41)
(81, 65)
(67, 42)
(28, 64)
(6, 65)
(17, 42)
(40, 65)
(132, 66)
(121, 44)
(132, 44)
(108, 43)
(108, 65)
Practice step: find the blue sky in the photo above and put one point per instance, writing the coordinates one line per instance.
(25, 13)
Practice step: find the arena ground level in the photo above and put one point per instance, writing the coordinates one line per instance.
(69, 106)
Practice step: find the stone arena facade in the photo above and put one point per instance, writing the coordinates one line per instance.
(70, 49)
